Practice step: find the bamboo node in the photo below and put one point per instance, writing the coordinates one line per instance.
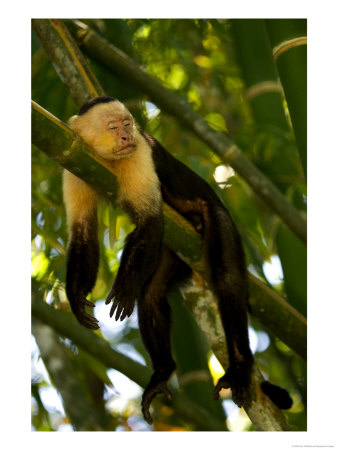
(262, 88)
(286, 45)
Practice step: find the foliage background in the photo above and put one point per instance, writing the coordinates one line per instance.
(206, 62)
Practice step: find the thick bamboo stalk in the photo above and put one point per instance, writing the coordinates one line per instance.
(288, 39)
(263, 89)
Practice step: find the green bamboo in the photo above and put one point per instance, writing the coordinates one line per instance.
(56, 359)
(264, 418)
(288, 39)
(73, 69)
(191, 355)
(259, 72)
(48, 133)
(268, 422)
(65, 325)
(120, 63)
(283, 320)
(293, 257)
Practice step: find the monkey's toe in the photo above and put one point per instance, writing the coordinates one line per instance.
(149, 395)
(222, 383)
(240, 389)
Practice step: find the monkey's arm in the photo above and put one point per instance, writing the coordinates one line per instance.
(83, 247)
(139, 260)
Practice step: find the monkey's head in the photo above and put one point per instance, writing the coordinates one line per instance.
(107, 127)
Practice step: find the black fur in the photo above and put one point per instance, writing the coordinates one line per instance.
(95, 101)
(139, 260)
(82, 266)
(278, 395)
(149, 269)
(193, 198)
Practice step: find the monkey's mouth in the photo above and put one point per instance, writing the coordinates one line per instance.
(130, 148)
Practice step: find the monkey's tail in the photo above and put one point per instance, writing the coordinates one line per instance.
(278, 395)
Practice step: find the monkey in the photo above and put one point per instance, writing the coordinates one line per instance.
(147, 176)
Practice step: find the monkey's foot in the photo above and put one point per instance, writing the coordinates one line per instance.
(148, 396)
(240, 387)
(83, 317)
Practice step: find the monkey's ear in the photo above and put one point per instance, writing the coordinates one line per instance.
(71, 120)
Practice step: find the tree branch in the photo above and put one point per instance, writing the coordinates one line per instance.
(64, 53)
(219, 143)
(81, 413)
(262, 413)
(65, 325)
(59, 142)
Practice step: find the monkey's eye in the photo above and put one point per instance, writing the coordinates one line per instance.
(112, 126)
(127, 124)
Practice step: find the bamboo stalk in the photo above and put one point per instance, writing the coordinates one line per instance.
(262, 419)
(268, 417)
(65, 325)
(72, 67)
(48, 133)
(259, 72)
(288, 40)
(119, 62)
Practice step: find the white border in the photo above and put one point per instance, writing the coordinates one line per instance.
(323, 226)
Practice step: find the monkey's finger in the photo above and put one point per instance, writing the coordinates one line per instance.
(130, 309)
(93, 326)
(108, 299)
(92, 322)
(110, 296)
(119, 312)
(112, 309)
(126, 313)
(89, 321)
(123, 315)
(88, 303)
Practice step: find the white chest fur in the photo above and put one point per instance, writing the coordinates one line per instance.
(138, 181)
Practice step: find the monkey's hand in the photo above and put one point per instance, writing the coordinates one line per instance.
(151, 391)
(123, 304)
(85, 319)
(237, 378)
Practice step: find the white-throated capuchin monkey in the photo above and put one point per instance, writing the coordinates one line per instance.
(148, 175)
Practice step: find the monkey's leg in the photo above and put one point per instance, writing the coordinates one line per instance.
(228, 274)
(231, 304)
(154, 317)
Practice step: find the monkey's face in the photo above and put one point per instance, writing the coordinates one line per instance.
(109, 129)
